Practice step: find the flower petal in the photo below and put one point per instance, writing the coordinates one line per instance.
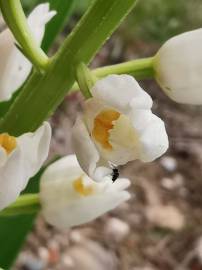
(37, 20)
(80, 212)
(66, 167)
(23, 163)
(153, 140)
(87, 154)
(34, 149)
(118, 91)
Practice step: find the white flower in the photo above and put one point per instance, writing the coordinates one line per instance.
(14, 67)
(69, 197)
(178, 67)
(20, 159)
(117, 126)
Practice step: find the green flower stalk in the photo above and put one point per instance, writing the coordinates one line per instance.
(85, 79)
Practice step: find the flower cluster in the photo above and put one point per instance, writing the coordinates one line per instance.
(116, 126)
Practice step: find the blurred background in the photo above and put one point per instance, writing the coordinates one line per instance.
(160, 228)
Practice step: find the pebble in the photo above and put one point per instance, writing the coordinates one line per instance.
(91, 256)
(116, 229)
(172, 183)
(165, 216)
(168, 163)
(30, 262)
(168, 183)
(67, 261)
(75, 236)
(43, 254)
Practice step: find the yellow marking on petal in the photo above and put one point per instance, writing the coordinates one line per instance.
(81, 189)
(103, 123)
(8, 142)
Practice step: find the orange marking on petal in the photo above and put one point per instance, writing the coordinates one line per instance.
(81, 189)
(103, 122)
(8, 142)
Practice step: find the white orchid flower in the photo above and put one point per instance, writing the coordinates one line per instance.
(178, 67)
(117, 126)
(20, 159)
(14, 66)
(69, 197)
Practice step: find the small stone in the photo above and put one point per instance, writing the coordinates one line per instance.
(29, 262)
(116, 229)
(168, 217)
(168, 163)
(92, 256)
(75, 236)
(43, 254)
(172, 183)
(68, 261)
(168, 183)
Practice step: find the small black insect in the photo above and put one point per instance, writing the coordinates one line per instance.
(115, 174)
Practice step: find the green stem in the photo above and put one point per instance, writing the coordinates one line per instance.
(43, 93)
(25, 204)
(139, 68)
(15, 18)
(85, 79)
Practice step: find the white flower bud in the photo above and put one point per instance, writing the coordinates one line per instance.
(178, 67)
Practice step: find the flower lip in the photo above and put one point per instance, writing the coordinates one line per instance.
(80, 187)
(103, 123)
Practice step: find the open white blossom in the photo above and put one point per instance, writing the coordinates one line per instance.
(14, 66)
(178, 67)
(21, 158)
(117, 126)
(69, 197)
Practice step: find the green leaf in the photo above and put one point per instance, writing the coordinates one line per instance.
(13, 230)
(64, 10)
